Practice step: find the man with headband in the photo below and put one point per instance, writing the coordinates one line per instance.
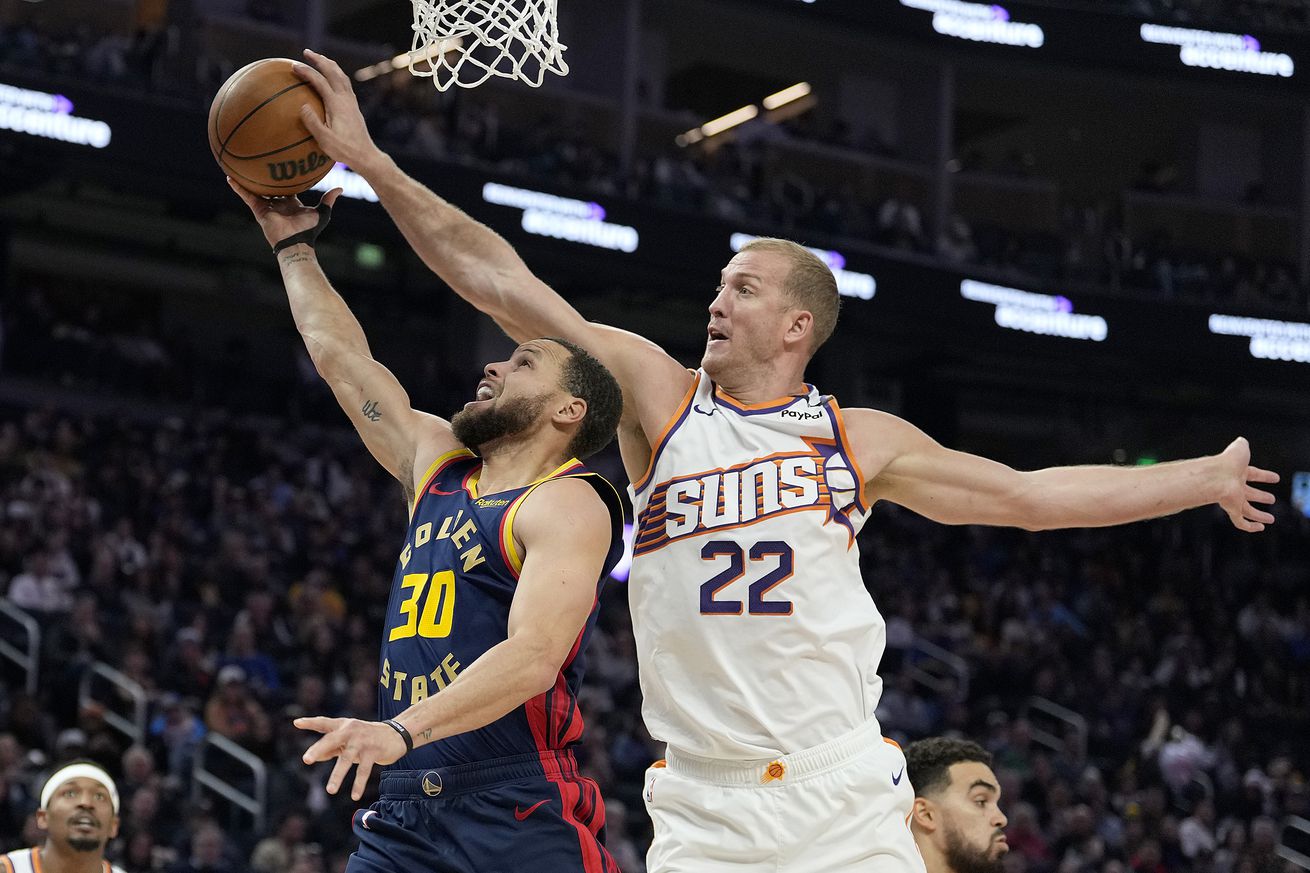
(79, 814)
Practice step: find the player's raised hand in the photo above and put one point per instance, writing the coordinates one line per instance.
(343, 135)
(353, 743)
(281, 217)
(1238, 495)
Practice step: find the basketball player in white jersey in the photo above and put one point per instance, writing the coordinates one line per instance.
(758, 644)
(79, 814)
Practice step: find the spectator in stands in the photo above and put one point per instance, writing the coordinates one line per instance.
(234, 712)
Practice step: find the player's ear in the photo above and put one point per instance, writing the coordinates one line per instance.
(113, 828)
(571, 411)
(924, 815)
(801, 326)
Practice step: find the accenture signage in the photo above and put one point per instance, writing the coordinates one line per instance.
(1045, 314)
(1212, 50)
(576, 221)
(49, 116)
(979, 22)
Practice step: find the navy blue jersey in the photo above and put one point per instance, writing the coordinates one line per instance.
(450, 602)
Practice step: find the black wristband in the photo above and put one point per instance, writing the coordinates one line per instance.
(404, 734)
(308, 237)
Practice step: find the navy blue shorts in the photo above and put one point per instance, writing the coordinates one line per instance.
(528, 813)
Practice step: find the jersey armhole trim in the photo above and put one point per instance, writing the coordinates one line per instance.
(844, 446)
(676, 419)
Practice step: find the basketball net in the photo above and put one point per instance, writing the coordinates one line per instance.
(466, 42)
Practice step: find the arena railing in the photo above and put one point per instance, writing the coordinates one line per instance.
(133, 727)
(255, 801)
(28, 658)
(942, 672)
(1300, 830)
(1051, 724)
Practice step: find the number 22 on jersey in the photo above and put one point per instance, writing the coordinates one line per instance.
(777, 563)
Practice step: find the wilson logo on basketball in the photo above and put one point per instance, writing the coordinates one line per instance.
(284, 171)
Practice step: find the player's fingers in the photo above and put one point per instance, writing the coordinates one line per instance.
(330, 198)
(250, 199)
(318, 723)
(361, 779)
(312, 75)
(338, 776)
(1267, 477)
(1253, 514)
(312, 122)
(327, 748)
(331, 70)
(1255, 495)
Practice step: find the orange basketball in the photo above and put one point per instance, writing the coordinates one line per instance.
(256, 134)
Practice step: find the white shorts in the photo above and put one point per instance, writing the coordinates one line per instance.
(841, 806)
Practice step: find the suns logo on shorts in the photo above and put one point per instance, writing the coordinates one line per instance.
(747, 493)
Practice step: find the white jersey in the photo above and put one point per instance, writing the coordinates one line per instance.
(29, 861)
(755, 634)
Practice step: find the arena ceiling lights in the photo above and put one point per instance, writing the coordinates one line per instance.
(724, 123)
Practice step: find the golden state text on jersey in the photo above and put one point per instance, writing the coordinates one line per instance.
(450, 600)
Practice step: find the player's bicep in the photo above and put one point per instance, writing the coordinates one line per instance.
(564, 529)
(948, 486)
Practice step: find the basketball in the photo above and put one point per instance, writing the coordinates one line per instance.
(256, 134)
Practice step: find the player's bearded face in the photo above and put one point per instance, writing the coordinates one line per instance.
(965, 856)
(482, 425)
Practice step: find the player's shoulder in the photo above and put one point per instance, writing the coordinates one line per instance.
(580, 497)
(17, 861)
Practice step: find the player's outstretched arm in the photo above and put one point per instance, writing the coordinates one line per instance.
(564, 530)
(480, 265)
(907, 467)
(402, 439)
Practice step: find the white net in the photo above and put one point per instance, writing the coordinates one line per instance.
(466, 42)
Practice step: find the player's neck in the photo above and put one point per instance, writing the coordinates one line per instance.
(760, 387)
(516, 464)
(68, 861)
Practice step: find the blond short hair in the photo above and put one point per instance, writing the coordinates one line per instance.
(809, 284)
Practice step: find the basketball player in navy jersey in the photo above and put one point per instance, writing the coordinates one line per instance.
(493, 600)
(757, 641)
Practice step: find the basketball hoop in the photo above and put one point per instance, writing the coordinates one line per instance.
(466, 42)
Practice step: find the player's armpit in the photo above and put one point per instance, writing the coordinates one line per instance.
(563, 530)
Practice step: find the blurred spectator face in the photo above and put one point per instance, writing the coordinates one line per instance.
(207, 847)
(80, 815)
(963, 823)
(138, 765)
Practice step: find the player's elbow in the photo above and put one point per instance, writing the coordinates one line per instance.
(541, 664)
(1025, 508)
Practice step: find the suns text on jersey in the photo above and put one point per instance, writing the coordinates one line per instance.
(737, 496)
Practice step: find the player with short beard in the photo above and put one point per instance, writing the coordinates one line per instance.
(956, 820)
(79, 814)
